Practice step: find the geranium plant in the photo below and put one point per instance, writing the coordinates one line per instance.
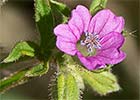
(81, 44)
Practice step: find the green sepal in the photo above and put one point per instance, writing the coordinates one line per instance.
(67, 88)
(71, 88)
(125, 33)
(21, 49)
(61, 86)
(97, 5)
(72, 69)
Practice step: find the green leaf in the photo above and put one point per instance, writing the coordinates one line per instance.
(41, 9)
(60, 7)
(77, 76)
(38, 70)
(45, 23)
(13, 80)
(97, 5)
(20, 49)
(22, 59)
(103, 82)
(60, 11)
(22, 76)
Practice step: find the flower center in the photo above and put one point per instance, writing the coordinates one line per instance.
(91, 42)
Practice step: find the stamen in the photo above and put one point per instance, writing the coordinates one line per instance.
(82, 42)
(91, 41)
(86, 33)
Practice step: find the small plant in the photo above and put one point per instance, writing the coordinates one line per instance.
(82, 44)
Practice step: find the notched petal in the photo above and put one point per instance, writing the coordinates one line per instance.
(105, 22)
(85, 15)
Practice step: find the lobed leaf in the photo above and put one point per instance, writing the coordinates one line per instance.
(103, 82)
(20, 49)
(97, 5)
(71, 89)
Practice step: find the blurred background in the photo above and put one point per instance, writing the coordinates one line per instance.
(17, 23)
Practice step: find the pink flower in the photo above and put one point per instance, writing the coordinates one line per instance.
(100, 33)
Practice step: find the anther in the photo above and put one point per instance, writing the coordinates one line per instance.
(91, 41)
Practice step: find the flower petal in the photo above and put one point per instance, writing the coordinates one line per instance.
(91, 62)
(85, 16)
(79, 21)
(65, 46)
(111, 56)
(105, 22)
(64, 31)
(112, 40)
(76, 24)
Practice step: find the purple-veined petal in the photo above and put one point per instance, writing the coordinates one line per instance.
(64, 31)
(91, 63)
(79, 20)
(105, 22)
(111, 56)
(76, 24)
(112, 40)
(85, 16)
(66, 46)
